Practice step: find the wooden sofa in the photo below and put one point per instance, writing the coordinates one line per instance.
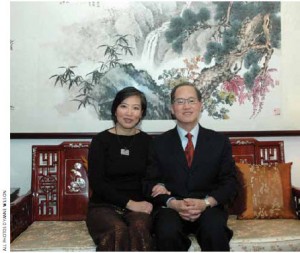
(51, 216)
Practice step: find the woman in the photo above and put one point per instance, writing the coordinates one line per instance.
(118, 217)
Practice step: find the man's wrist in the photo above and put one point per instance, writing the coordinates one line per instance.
(168, 201)
(210, 201)
(207, 203)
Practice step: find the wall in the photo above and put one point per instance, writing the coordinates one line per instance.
(20, 164)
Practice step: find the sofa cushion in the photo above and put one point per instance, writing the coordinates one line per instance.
(265, 235)
(250, 235)
(261, 235)
(266, 191)
(54, 236)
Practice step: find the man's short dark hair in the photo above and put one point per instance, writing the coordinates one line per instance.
(199, 96)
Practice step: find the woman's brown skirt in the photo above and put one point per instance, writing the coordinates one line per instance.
(116, 229)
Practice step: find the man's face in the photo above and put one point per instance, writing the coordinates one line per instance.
(186, 107)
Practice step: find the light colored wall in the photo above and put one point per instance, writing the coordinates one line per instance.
(20, 164)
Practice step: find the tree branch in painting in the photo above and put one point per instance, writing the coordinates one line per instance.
(245, 34)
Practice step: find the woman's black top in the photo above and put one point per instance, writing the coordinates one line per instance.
(114, 176)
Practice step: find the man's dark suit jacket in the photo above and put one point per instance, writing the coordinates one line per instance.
(212, 171)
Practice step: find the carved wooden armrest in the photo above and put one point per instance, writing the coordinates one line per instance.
(20, 215)
(296, 195)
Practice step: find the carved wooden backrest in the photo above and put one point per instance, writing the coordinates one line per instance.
(250, 150)
(59, 181)
(59, 174)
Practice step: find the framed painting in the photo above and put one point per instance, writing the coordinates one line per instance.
(68, 60)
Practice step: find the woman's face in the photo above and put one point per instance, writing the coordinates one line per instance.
(129, 112)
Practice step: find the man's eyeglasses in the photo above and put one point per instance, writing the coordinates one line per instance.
(182, 101)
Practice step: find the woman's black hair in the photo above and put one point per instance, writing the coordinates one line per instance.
(122, 95)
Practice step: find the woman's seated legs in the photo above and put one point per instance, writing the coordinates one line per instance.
(108, 229)
(139, 227)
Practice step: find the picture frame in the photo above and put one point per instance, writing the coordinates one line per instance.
(42, 106)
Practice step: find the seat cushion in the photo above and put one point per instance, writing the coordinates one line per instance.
(261, 235)
(54, 236)
(265, 235)
(249, 235)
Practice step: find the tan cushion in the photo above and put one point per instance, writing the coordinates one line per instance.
(54, 236)
(266, 191)
(261, 235)
(248, 235)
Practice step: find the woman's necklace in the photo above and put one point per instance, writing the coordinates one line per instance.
(125, 150)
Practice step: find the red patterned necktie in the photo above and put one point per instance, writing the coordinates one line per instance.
(189, 150)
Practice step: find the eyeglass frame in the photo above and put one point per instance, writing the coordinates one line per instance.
(189, 101)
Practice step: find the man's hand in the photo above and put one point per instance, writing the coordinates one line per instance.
(139, 206)
(159, 189)
(196, 204)
(186, 211)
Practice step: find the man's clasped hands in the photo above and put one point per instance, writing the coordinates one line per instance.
(189, 209)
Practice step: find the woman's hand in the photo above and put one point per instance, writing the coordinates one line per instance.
(139, 206)
(159, 189)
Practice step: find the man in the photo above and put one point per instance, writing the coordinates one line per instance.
(190, 179)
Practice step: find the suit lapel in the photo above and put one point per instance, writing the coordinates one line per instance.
(200, 145)
(177, 150)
